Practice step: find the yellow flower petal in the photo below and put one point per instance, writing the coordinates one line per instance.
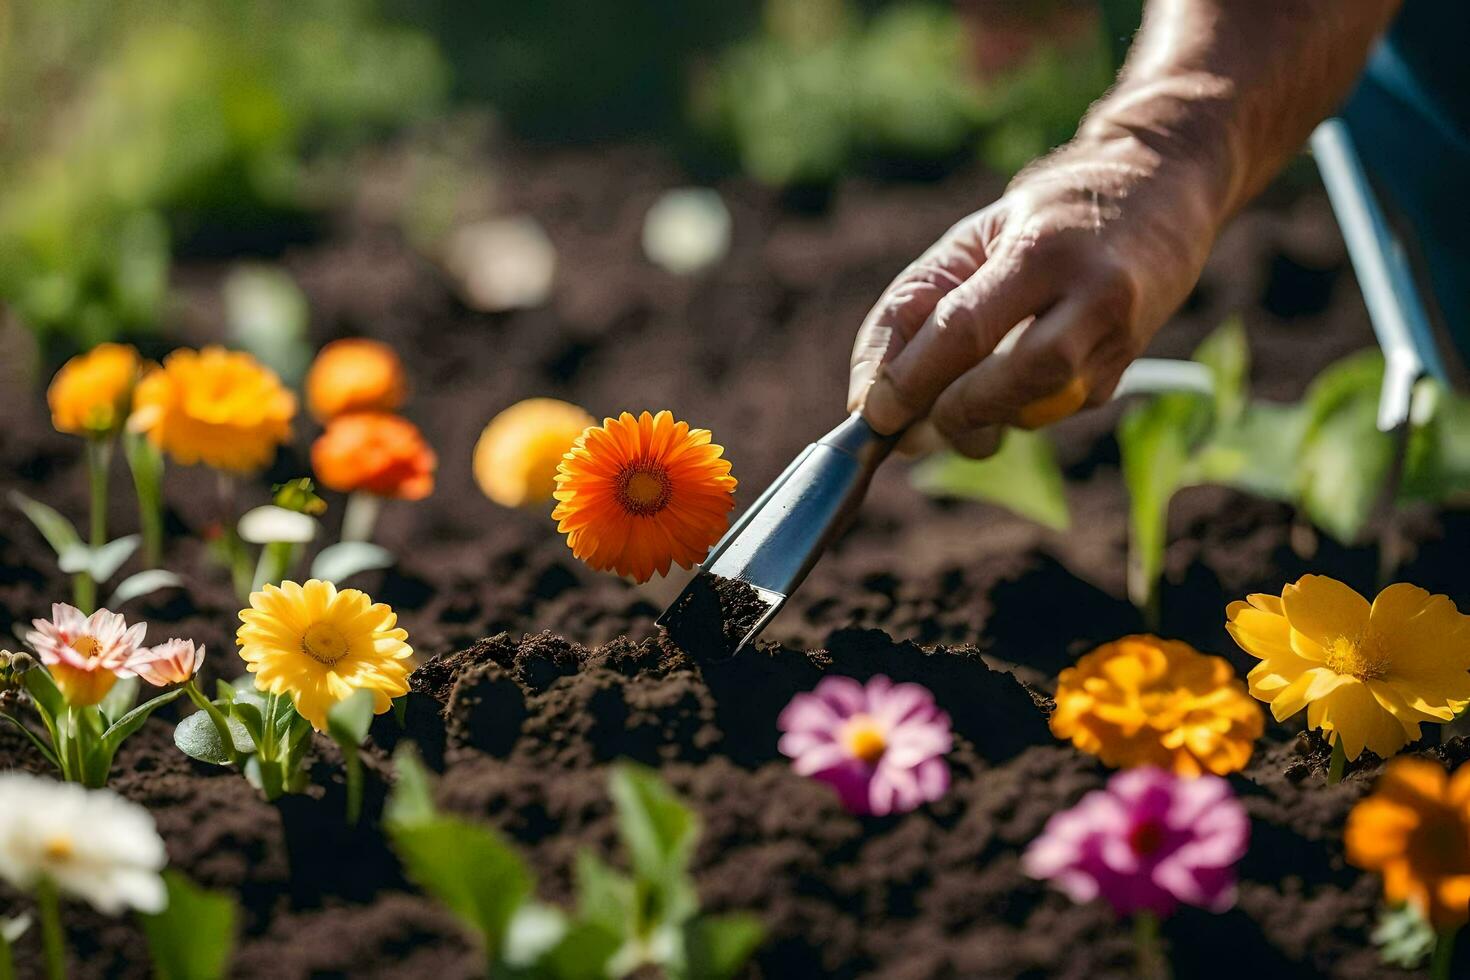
(1324, 609)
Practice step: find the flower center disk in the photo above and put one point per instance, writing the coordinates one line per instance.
(324, 643)
(1356, 658)
(644, 489)
(87, 646)
(1146, 837)
(865, 740)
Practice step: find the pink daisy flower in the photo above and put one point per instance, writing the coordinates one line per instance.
(171, 662)
(881, 745)
(85, 655)
(1147, 842)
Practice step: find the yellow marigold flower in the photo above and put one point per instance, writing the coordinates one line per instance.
(318, 645)
(518, 454)
(1369, 673)
(638, 494)
(216, 407)
(1415, 830)
(92, 392)
(1143, 701)
(354, 375)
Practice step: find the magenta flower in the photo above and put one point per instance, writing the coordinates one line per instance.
(881, 746)
(1146, 842)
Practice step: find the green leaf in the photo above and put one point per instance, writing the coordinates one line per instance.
(1344, 460)
(120, 699)
(716, 946)
(44, 692)
(1226, 353)
(1404, 937)
(534, 931)
(57, 530)
(1258, 454)
(193, 938)
(582, 953)
(468, 868)
(345, 559)
(143, 583)
(349, 719)
(133, 720)
(658, 830)
(1023, 476)
(248, 715)
(605, 896)
(412, 799)
(1154, 442)
(196, 737)
(107, 559)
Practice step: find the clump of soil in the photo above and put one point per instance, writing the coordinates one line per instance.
(714, 615)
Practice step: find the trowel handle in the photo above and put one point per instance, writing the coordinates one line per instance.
(855, 437)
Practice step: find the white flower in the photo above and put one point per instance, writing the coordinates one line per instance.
(91, 843)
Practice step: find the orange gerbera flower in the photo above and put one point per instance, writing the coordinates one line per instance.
(1143, 701)
(375, 452)
(354, 375)
(638, 494)
(1415, 830)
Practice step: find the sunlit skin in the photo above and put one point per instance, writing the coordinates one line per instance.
(637, 495)
(1145, 701)
(1366, 674)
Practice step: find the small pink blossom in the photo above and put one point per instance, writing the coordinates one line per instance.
(1146, 842)
(171, 662)
(881, 745)
(85, 654)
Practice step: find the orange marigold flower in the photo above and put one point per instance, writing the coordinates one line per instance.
(376, 452)
(1144, 701)
(637, 494)
(354, 375)
(1415, 830)
(518, 454)
(92, 392)
(217, 407)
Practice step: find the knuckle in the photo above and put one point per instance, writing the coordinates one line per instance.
(1114, 293)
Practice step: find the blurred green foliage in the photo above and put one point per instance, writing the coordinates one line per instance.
(824, 89)
(133, 121)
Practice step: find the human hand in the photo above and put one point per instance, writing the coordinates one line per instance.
(1030, 309)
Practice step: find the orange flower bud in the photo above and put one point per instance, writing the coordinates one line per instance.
(377, 453)
(354, 375)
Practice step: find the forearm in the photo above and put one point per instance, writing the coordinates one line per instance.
(1234, 87)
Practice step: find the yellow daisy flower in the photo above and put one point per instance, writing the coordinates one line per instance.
(1368, 673)
(318, 645)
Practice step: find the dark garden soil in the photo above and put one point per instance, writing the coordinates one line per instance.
(539, 673)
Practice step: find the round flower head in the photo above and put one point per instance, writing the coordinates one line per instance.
(318, 645)
(85, 655)
(881, 745)
(91, 393)
(1147, 842)
(1415, 831)
(171, 662)
(354, 375)
(1143, 701)
(517, 456)
(636, 495)
(91, 843)
(376, 453)
(1369, 673)
(216, 407)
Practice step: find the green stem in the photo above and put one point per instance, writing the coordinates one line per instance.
(360, 516)
(242, 574)
(52, 941)
(1444, 953)
(74, 722)
(1151, 963)
(99, 456)
(1339, 761)
(354, 785)
(7, 959)
(146, 463)
(275, 563)
(221, 726)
